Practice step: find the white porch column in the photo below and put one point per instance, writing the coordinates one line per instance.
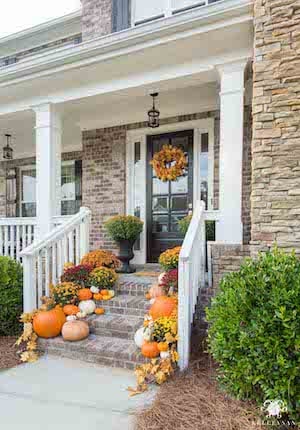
(48, 166)
(230, 228)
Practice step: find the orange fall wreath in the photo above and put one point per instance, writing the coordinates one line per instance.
(169, 163)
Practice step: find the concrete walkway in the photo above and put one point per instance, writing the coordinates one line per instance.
(61, 394)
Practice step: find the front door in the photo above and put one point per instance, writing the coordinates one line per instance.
(167, 202)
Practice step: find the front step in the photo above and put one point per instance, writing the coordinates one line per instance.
(110, 342)
(107, 351)
(111, 325)
(125, 305)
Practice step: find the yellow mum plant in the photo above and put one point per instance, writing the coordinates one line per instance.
(170, 258)
(103, 277)
(64, 293)
(101, 258)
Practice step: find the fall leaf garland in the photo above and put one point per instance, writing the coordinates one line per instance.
(169, 163)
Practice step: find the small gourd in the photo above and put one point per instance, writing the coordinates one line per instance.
(94, 290)
(139, 337)
(99, 311)
(164, 355)
(163, 346)
(98, 297)
(150, 350)
(71, 318)
(84, 294)
(81, 315)
(70, 309)
(111, 293)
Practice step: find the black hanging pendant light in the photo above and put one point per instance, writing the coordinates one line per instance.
(153, 114)
(7, 149)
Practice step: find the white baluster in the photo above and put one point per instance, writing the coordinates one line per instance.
(1, 240)
(54, 264)
(24, 241)
(40, 277)
(65, 250)
(12, 241)
(71, 246)
(59, 259)
(77, 243)
(6, 240)
(47, 274)
(18, 243)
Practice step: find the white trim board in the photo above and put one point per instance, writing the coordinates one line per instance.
(199, 127)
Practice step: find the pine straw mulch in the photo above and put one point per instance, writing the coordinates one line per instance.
(8, 352)
(192, 401)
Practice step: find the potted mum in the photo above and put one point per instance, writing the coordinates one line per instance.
(125, 230)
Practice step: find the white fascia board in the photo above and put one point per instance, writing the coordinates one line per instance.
(186, 24)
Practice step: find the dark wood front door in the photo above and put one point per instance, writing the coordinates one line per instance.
(167, 202)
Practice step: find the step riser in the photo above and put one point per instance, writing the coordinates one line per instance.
(123, 311)
(93, 358)
(133, 290)
(99, 331)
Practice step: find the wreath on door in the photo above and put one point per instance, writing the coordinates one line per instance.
(169, 163)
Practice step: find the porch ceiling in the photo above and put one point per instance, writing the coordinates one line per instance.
(182, 96)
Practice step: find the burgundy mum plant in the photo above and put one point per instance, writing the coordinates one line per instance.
(170, 279)
(79, 275)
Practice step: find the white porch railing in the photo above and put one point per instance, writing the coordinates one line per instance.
(191, 278)
(43, 261)
(15, 235)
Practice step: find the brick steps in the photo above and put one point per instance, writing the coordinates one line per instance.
(114, 352)
(111, 339)
(112, 325)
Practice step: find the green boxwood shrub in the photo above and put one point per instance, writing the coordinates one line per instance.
(254, 331)
(11, 296)
(124, 227)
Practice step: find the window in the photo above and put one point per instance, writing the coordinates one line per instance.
(71, 195)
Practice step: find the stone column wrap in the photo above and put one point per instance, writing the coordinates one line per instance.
(275, 200)
(96, 18)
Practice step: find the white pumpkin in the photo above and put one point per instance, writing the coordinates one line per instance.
(81, 315)
(94, 290)
(139, 337)
(161, 277)
(87, 306)
(71, 318)
(164, 355)
(152, 301)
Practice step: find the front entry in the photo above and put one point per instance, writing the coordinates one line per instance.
(167, 202)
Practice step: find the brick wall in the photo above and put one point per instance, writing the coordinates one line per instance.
(96, 18)
(103, 182)
(276, 125)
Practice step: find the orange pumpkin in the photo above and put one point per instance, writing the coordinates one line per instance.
(70, 309)
(150, 350)
(98, 296)
(84, 294)
(104, 292)
(156, 291)
(162, 307)
(148, 296)
(106, 297)
(163, 346)
(100, 311)
(49, 323)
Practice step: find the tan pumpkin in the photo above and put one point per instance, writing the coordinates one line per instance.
(99, 311)
(70, 309)
(85, 294)
(150, 350)
(156, 291)
(163, 307)
(74, 331)
(48, 324)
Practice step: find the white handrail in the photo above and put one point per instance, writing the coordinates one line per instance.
(191, 278)
(43, 260)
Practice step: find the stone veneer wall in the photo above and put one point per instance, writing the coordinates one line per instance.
(96, 18)
(226, 258)
(17, 164)
(104, 172)
(276, 125)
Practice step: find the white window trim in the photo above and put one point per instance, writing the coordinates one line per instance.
(33, 167)
(199, 127)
